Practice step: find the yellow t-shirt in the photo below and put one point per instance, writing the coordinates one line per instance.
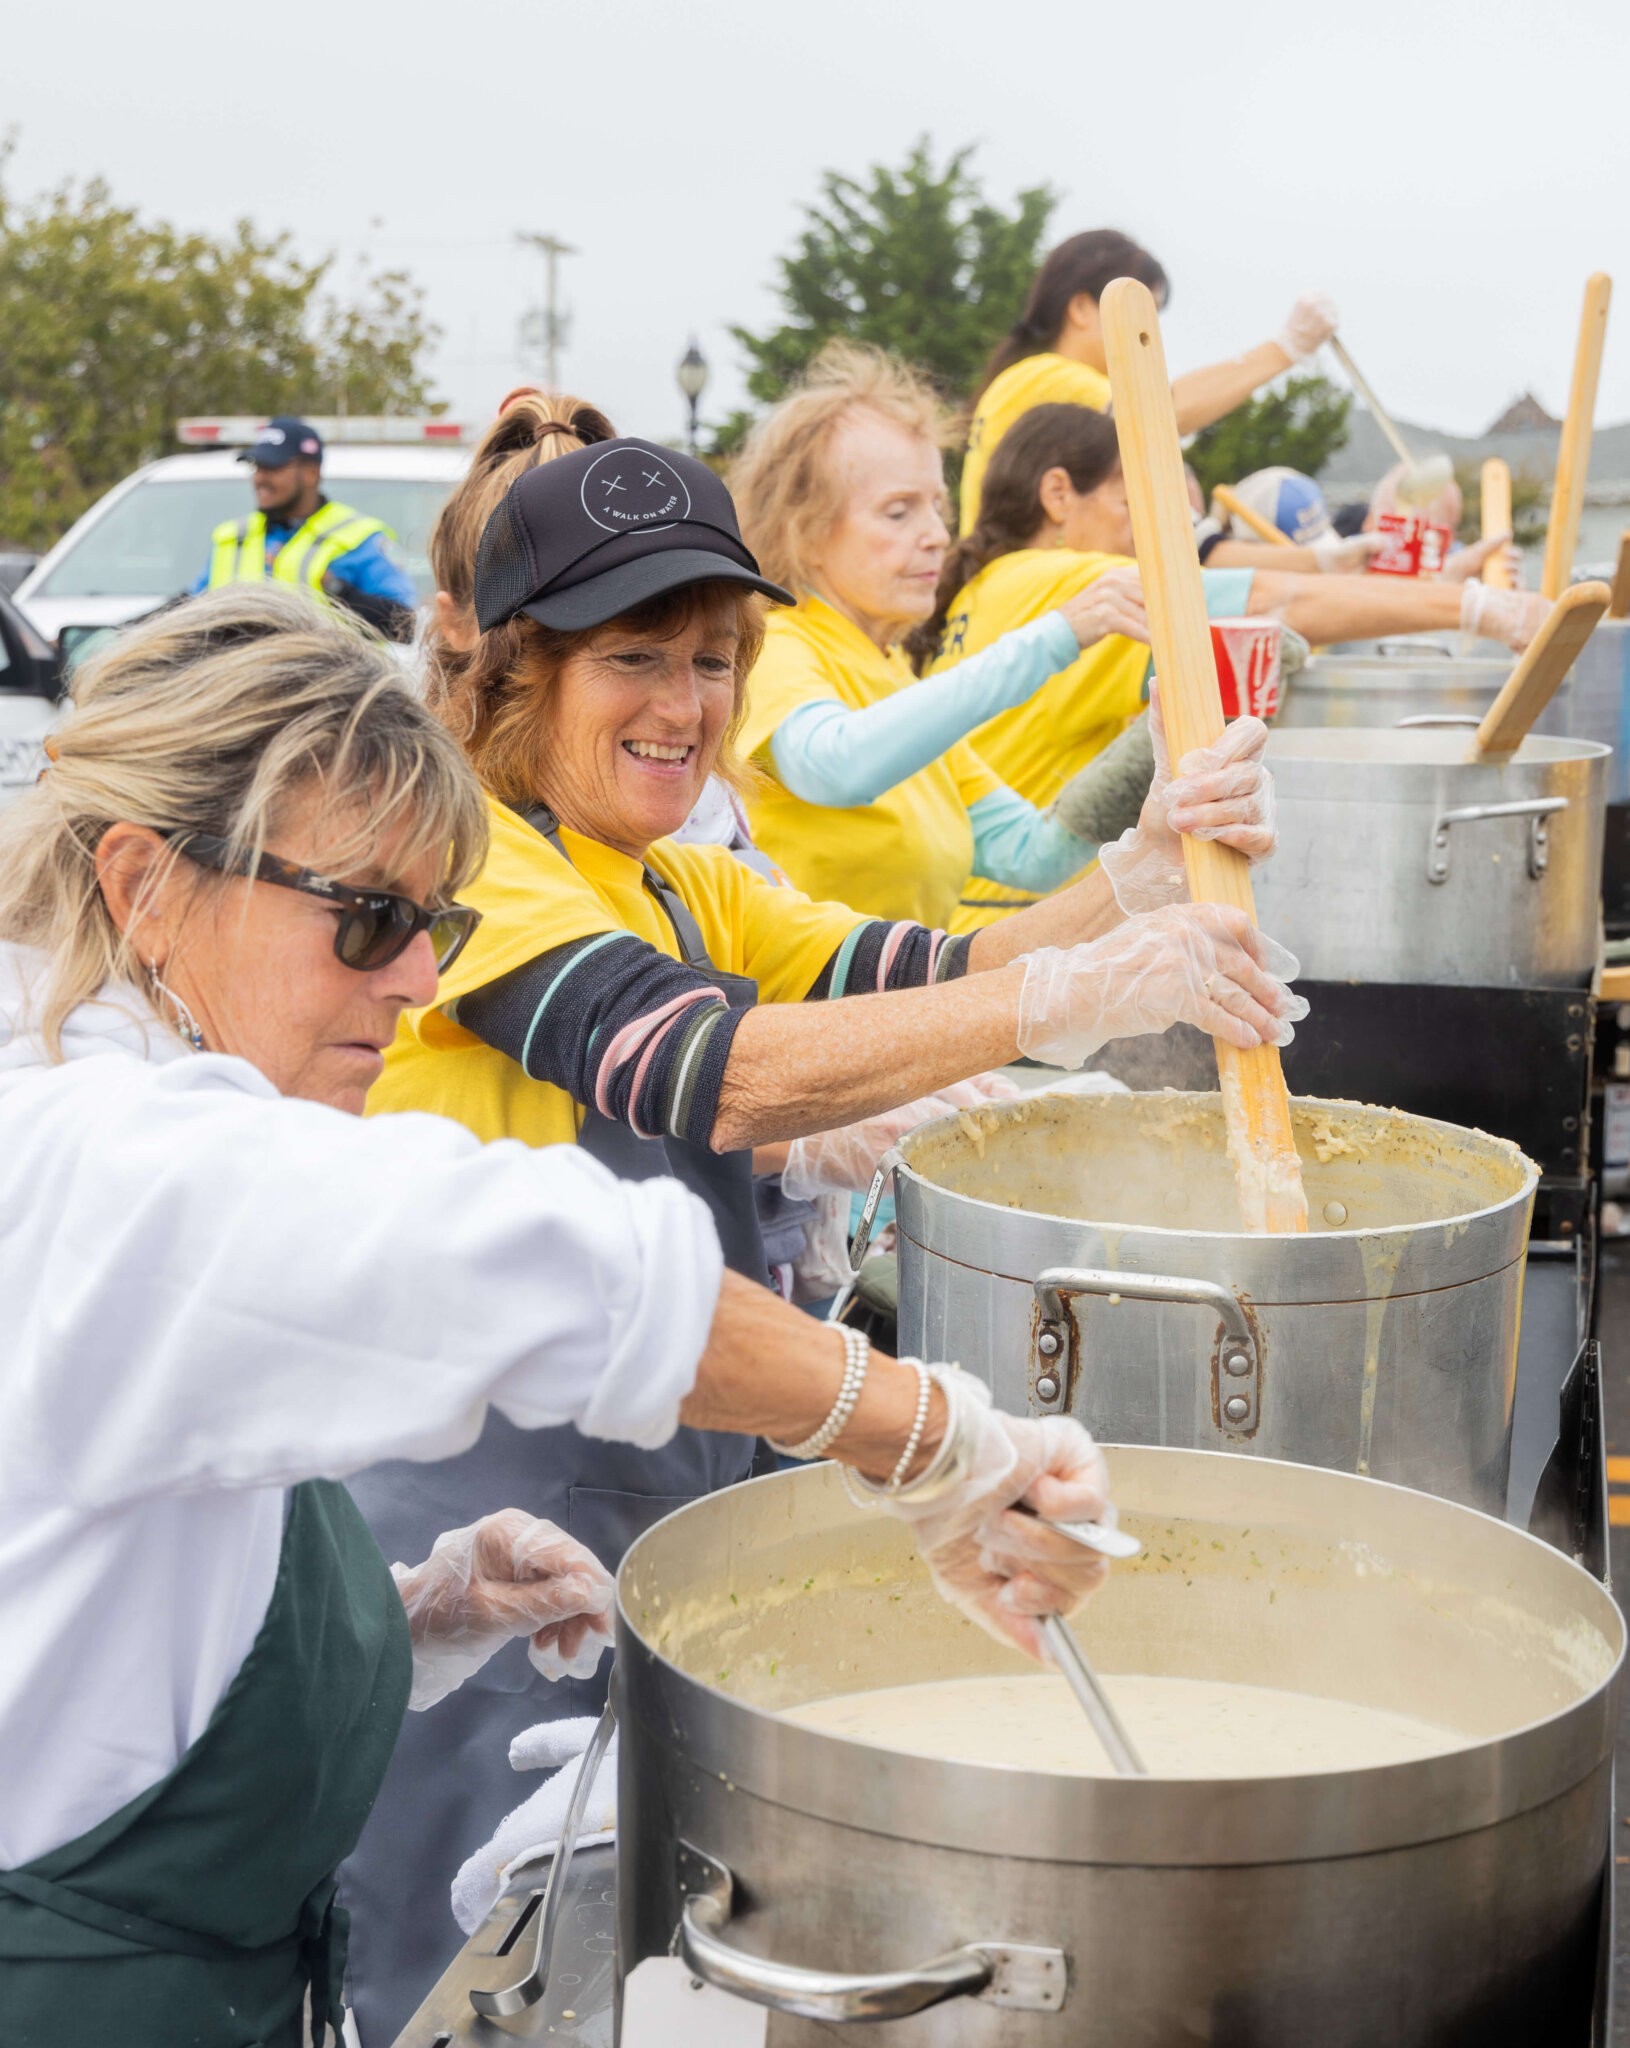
(1033, 380)
(1036, 747)
(531, 899)
(908, 854)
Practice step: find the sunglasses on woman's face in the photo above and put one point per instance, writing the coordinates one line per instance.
(376, 925)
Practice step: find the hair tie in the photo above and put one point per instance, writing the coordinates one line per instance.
(560, 427)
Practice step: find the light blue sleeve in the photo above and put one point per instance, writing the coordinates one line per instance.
(824, 754)
(1228, 592)
(1015, 843)
(375, 570)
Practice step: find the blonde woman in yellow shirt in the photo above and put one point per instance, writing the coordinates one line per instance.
(870, 794)
(1054, 353)
(1055, 521)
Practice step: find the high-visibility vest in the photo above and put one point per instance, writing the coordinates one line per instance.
(238, 547)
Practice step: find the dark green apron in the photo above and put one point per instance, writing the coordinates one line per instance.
(196, 1916)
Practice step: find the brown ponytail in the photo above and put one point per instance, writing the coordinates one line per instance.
(532, 427)
(1084, 263)
(1073, 438)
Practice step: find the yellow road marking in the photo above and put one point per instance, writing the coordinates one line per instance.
(1618, 1510)
(1618, 1469)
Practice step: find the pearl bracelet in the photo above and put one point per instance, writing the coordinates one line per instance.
(868, 1492)
(925, 1389)
(857, 1361)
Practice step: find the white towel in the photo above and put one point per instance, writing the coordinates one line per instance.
(533, 1829)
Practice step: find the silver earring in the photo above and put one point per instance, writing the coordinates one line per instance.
(186, 1024)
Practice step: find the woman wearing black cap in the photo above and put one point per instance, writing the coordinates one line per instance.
(664, 1006)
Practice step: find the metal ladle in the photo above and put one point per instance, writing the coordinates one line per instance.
(1071, 1659)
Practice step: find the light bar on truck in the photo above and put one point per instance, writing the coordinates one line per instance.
(239, 430)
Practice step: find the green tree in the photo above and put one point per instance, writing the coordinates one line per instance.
(1299, 423)
(916, 260)
(112, 327)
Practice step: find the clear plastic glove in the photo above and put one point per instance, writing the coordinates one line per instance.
(1222, 792)
(843, 1161)
(1346, 557)
(1308, 326)
(1112, 603)
(1194, 963)
(507, 1575)
(1004, 1569)
(1513, 616)
(1467, 562)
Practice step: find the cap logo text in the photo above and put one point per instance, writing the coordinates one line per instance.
(626, 490)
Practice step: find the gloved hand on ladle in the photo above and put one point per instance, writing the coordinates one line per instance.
(507, 1575)
(1222, 792)
(1193, 963)
(1308, 326)
(1468, 562)
(1513, 616)
(843, 1161)
(1007, 1570)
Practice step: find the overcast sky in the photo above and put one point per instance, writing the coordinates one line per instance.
(1449, 172)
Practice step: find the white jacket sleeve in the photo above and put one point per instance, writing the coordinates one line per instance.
(208, 1285)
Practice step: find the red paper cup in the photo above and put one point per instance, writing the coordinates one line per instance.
(1247, 652)
(1412, 547)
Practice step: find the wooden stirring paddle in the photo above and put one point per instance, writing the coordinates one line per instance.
(1573, 452)
(1264, 529)
(1619, 604)
(1255, 1103)
(1534, 681)
(1496, 518)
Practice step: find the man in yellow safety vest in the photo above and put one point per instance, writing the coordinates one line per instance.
(298, 536)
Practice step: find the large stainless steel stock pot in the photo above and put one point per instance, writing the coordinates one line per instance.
(1599, 707)
(927, 1903)
(1083, 1255)
(1401, 860)
(1381, 682)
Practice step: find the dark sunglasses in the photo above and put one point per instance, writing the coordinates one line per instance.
(376, 925)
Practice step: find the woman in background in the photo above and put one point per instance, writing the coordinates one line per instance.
(1054, 352)
(871, 794)
(1055, 521)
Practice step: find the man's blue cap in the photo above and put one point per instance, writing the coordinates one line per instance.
(283, 441)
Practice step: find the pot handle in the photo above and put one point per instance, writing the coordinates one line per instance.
(868, 1213)
(1016, 1975)
(1236, 1358)
(1536, 809)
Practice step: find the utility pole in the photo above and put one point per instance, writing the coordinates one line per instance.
(554, 321)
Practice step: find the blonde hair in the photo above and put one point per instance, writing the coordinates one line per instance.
(496, 695)
(215, 717)
(788, 490)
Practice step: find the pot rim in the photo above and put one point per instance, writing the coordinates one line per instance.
(1052, 1817)
(1299, 1247)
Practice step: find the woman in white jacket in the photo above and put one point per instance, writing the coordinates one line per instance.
(223, 1295)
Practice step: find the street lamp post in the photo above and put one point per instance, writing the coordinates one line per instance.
(692, 376)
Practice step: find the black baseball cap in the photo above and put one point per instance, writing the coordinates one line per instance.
(283, 441)
(584, 538)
